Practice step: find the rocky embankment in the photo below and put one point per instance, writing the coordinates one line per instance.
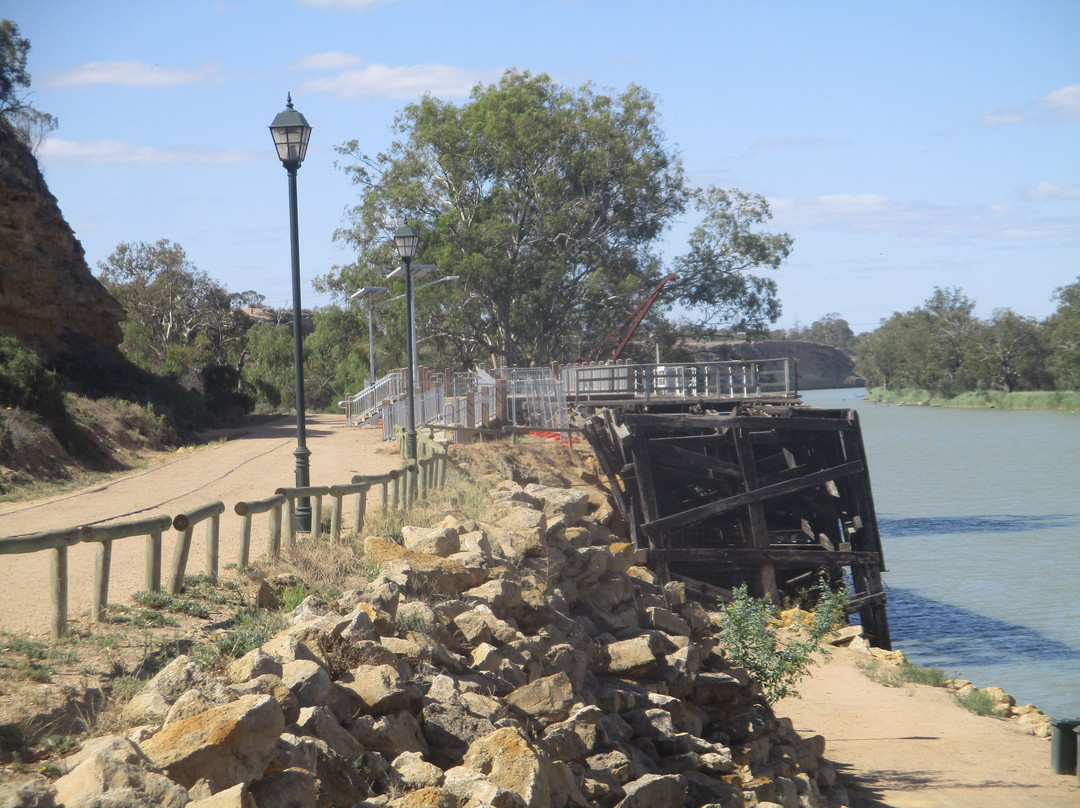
(527, 659)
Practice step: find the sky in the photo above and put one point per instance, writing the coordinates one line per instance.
(903, 145)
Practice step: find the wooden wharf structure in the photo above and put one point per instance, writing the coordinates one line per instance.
(761, 490)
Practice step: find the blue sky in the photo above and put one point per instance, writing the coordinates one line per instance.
(902, 144)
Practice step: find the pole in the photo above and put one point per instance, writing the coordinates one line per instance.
(415, 361)
(371, 340)
(302, 517)
(410, 434)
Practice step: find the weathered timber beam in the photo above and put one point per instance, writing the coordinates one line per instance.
(767, 492)
(694, 421)
(686, 458)
(779, 556)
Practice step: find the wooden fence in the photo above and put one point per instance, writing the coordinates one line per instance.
(397, 489)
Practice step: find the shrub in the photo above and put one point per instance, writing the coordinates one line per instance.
(976, 701)
(750, 642)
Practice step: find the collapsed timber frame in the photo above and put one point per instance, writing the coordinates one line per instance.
(772, 494)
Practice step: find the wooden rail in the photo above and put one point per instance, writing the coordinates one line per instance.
(427, 474)
(104, 535)
(185, 523)
(271, 505)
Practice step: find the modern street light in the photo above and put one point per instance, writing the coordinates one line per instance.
(370, 293)
(406, 239)
(291, 132)
(419, 271)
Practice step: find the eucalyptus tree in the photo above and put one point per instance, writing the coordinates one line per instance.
(549, 203)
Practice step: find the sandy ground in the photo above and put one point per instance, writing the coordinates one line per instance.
(908, 747)
(914, 747)
(250, 465)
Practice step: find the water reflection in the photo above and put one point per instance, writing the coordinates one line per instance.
(1004, 523)
(951, 637)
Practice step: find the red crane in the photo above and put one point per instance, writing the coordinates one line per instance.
(633, 319)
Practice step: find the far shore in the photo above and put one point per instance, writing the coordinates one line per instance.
(983, 399)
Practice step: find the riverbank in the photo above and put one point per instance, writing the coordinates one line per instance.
(914, 746)
(984, 399)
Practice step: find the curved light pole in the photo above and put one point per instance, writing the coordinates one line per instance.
(291, 132)
(406, 239)
(370, 293)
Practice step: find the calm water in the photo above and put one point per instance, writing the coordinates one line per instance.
(979, 512)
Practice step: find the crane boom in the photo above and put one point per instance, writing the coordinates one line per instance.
(633, 319)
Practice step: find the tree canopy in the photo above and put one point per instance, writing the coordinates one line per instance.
(549, 203)
(30, 124)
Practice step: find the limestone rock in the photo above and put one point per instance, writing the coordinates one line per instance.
(98, 775)
(379, 688)
(440, 541)
(547, 700)
(430, 571)
(309, 681)
(191, 703)
(390, 735)
(509, 759)
(253, 664)
(274, 686)
(292, 788)
(415, 772)
(237, 796)
(655, 791)
(226, 744)
(319, 722)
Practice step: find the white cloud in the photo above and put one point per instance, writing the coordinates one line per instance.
(331, 60)
(1063, 104)
(872, 213)
(398, 82)
(1060, 106)
(55, 150)
(134, 74)
(1048, 190)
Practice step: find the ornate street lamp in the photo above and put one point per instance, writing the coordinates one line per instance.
(291, 132)
(407, 240)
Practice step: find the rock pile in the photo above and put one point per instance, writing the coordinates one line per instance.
(527, 660)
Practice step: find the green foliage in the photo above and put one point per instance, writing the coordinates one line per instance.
(179, 320)
(13, 73)
(25, 383)
(942, 348)
(976, 701)
(751, 642)
(906, 673)
(832, 330)
(985, 399)
(549, 203)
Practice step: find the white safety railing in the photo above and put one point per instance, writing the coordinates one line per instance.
(739, 379)
(368, 401)
(537, 399)
(428, 407)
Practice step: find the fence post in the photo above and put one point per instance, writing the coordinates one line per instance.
(243, 556)
(102, 564)
(213, 529)
(153, 560)
(180, 557)
(273, 543)
(58, 593)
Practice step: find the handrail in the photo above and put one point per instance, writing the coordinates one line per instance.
(272, 505)
(369, 400)
(752, 378)
(428, 473)
(104, 535)
(185, 523)
(315, 493)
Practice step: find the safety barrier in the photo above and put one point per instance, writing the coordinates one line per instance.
(428, 473)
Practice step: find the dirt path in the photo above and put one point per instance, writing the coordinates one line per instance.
(914, 747)
(250, 464)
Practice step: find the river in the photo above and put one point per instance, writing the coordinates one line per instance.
(979, 512)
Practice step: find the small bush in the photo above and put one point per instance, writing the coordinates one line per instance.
(751, 643)
(977, 701)
(897, 676)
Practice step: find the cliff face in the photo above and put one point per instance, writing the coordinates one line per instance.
(49, 300)
(821, 367)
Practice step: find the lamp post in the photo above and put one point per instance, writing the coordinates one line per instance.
(419, 271)
(291, 132)
(370, 293)
(406, 240)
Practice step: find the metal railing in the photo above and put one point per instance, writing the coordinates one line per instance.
(537, 399)
(428, 407)
(738, 379)
(368, 401)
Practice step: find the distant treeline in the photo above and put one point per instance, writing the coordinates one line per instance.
(941, 348)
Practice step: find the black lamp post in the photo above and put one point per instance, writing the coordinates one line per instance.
(406, 240)
(291, 132)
